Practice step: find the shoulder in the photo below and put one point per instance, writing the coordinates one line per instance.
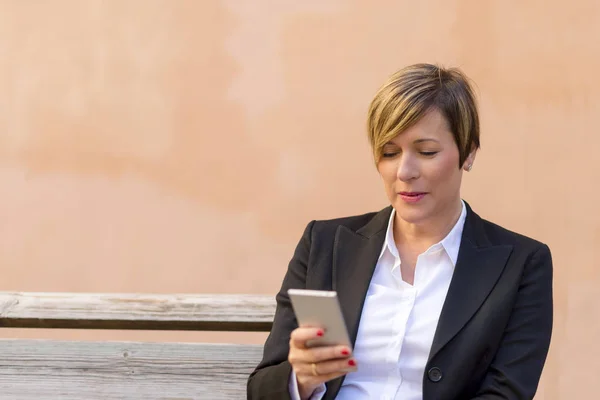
(352, 222)
(364, 224)
(499, 235)
(502, 234)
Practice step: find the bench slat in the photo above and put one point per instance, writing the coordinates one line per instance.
(137, 311)
(49, 370)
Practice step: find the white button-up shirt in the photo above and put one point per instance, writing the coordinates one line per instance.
(398, 322)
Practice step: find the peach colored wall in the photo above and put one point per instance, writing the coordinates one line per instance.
(182, 146)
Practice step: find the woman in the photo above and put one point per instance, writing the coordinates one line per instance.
(440, 304)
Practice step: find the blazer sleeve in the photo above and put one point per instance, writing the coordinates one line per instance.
(270, 378)
(515, 371)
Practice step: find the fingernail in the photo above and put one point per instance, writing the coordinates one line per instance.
(352, 363)
(345, 352)
(320, 333)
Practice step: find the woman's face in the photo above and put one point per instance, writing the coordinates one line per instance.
(420, 171)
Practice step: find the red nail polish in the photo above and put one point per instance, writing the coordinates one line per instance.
(352, 363)
(345, 352)
(320, 333)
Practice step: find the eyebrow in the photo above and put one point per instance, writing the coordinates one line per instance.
(414, 142)
(425, 140)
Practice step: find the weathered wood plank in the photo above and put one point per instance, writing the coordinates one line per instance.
(50, 370)
(137, 311)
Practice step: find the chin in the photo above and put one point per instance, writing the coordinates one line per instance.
(413, 216)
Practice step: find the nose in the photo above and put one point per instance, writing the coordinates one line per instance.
(408, 168)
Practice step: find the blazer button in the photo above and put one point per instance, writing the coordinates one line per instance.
(434, 374)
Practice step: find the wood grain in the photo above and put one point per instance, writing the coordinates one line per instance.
(44, 370)
(137, 311)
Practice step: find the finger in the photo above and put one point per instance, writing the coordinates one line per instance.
(326, 368)
(299, 336)
(320, 354)
(322, 377)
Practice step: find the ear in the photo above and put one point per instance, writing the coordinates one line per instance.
(468, 164)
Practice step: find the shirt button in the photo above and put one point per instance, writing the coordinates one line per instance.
(434, 374)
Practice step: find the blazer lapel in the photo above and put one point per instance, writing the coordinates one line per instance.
(478, 267)
(355, 256)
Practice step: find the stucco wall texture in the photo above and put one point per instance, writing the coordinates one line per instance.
(182, 146)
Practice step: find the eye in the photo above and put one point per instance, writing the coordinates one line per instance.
(389, 154)
(429, 153)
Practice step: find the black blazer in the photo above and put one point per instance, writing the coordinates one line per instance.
(493, 333)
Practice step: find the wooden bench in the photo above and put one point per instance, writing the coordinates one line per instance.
(67, 370)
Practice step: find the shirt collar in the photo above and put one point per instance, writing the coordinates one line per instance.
(451, 243)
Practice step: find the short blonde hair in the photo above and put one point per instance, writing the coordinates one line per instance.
(414, 90)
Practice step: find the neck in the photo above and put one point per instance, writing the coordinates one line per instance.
(426, 233)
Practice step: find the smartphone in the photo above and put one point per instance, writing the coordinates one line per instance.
(320, 308)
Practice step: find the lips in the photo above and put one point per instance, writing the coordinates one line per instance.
(411, 193)
(412, 197)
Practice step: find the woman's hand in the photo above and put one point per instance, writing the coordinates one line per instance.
(316, 365)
